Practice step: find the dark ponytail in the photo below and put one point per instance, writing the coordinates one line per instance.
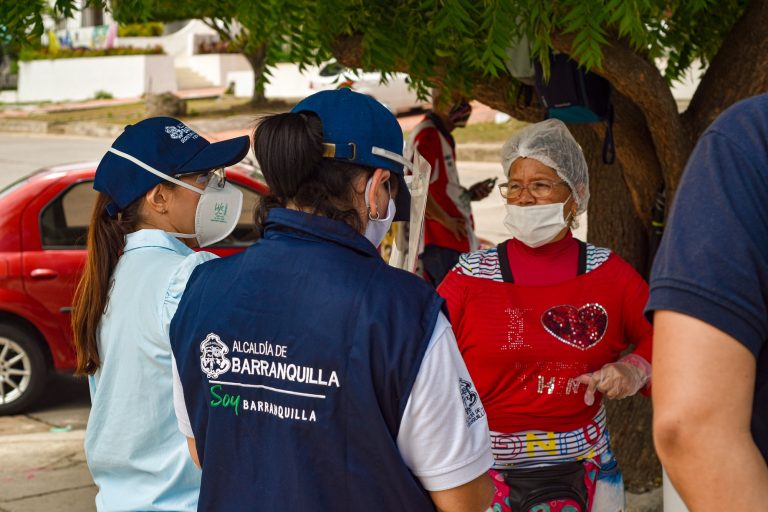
(106, 241)
(289, 149)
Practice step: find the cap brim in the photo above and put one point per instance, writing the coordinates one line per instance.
(402, 201)
(218, 154)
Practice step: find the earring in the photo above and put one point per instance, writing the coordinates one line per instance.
(371, 216)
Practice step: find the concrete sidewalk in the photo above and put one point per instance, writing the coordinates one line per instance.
(42, 464)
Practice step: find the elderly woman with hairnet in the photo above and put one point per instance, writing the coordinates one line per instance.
(542, 321)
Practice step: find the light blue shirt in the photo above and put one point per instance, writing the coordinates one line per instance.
(135, 451)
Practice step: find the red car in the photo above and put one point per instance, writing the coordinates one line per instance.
(43, 229)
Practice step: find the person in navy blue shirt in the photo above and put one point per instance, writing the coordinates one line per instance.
(709, 299)
(310, 374)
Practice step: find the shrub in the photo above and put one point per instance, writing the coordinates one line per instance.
(102, 95)
(28, 54)
(151, 29)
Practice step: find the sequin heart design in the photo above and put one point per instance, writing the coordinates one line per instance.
(582, 327)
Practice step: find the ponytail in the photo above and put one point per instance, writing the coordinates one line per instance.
(106, 241)
(289, 149)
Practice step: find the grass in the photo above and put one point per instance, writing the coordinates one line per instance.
(487, 132)
(134, 112)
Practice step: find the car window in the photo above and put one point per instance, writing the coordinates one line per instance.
(244, 234)
(64, 221)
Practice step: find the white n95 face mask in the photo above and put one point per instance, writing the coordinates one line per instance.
(536, 225)
(217, 211)
(377, 229)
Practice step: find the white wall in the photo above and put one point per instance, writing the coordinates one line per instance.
(216, 66)
(285, 82)
(79, 79)
(9, 97)
(181, 44)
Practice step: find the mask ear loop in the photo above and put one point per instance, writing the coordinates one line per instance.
(154, 171)
(162, 175)
(571, 216)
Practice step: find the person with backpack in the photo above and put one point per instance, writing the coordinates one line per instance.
(448, 226)
(542, 322)
(162, 190)
(311, 375)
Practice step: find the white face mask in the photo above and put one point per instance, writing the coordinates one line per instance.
(376, 229)
(536, 225)
(217, 211)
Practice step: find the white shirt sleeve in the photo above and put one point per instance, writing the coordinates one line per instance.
(179, 406)
(443, 435)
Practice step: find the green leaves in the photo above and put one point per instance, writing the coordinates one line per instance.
(455, 43)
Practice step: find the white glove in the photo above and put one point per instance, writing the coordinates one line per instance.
(617, 380)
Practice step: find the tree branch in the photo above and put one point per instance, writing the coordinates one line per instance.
(639, 80)
(739, 70)
(495, 92)
(635, 151)
(222, 31)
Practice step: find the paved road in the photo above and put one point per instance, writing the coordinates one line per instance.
(23, 154)
(42, 465)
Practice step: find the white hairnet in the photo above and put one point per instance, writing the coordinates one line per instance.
(552, 144)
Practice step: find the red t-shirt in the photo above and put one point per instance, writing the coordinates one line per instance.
(525, 344)
(428, 142)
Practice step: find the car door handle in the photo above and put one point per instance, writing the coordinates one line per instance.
(43, 273)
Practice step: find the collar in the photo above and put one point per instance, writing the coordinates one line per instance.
(155, 238)
(441, 127)
(550, 249)
(319, 228)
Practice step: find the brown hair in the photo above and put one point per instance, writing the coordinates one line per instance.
(106, 240)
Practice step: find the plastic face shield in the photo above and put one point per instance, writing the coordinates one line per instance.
(410, 235)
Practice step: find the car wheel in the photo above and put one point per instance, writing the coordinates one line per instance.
(23, 369)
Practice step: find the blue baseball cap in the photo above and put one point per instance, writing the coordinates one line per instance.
(166, 145)
(360, 130)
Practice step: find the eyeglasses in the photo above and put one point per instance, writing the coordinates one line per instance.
(539, 189)
(217, 176)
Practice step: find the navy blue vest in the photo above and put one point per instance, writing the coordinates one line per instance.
(297, 359)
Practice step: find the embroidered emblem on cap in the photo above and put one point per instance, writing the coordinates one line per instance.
(181, 131)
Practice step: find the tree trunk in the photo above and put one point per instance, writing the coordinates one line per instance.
(257, 58)
(614, 223)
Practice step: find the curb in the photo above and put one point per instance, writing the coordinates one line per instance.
(23, 125)
(82, 128)
(42, 437)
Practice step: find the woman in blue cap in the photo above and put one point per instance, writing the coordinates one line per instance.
(314, 375)
(161, 189)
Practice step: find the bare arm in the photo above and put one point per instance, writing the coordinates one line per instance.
(702, 400)
(474, 496)
(193, 451)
